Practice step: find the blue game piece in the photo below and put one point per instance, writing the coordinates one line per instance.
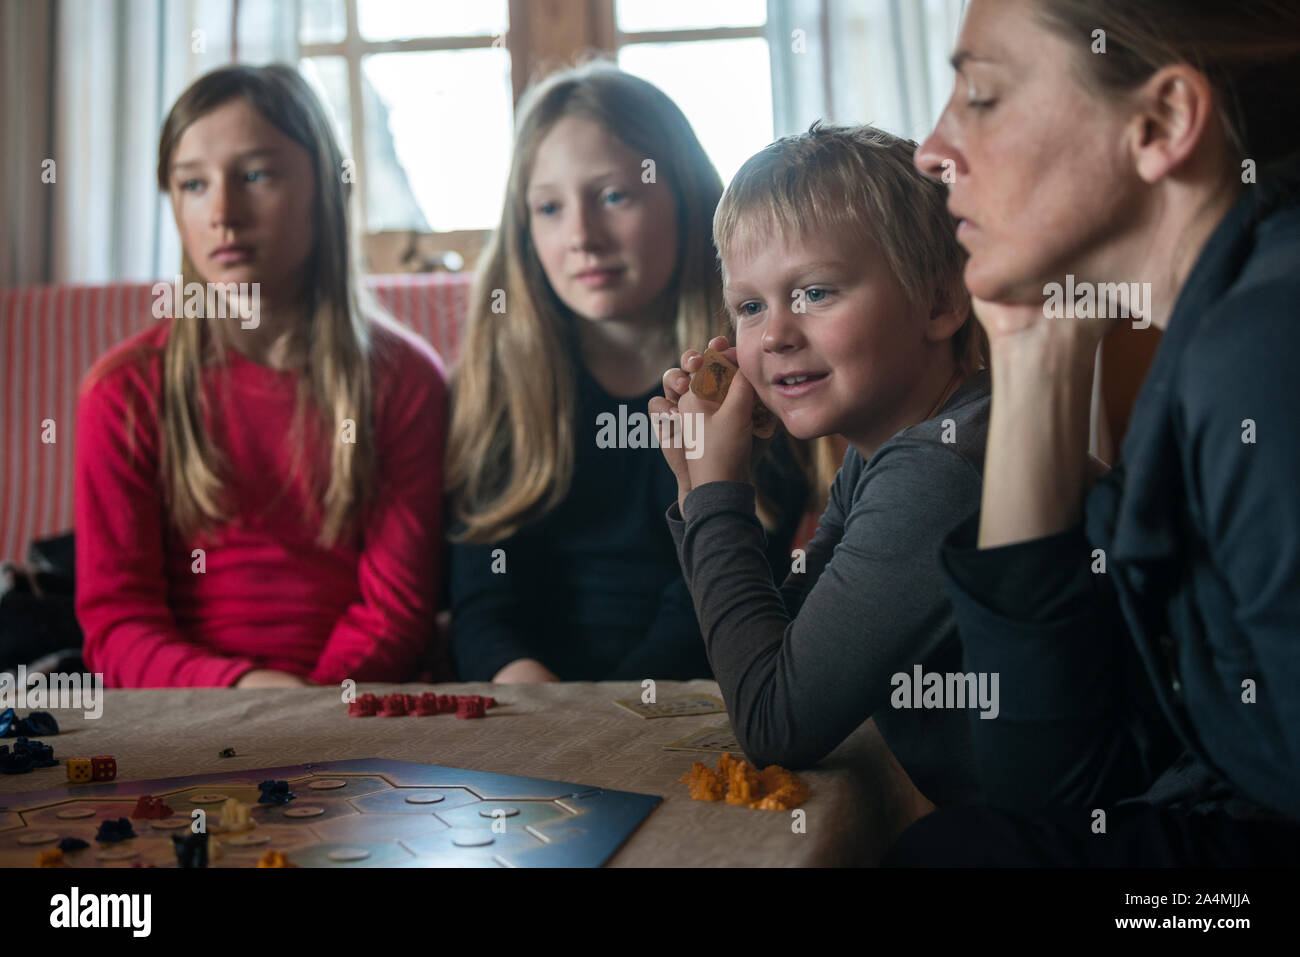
(72, 844)
(110, 831)
(275, 792)
(19, 762)
(6, 723)
(41, 754)
(39, 723)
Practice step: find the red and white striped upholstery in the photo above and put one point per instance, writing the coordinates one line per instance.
(50, 336)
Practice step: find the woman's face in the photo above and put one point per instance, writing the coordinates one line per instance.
(607, 241)
(242, 195)
(1036, 163)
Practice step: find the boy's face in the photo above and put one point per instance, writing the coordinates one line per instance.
(833, 312)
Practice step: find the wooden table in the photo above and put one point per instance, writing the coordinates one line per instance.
(570, 732)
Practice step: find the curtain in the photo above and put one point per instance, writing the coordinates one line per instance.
(95, 105)
(883, 62)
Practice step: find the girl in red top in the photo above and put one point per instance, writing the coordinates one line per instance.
(258, 497)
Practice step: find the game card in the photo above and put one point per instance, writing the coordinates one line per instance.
(708, 739)
(674, 706)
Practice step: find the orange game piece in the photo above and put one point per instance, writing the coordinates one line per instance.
(737, 782)
(714, 379)
(275, 859)
(50, 857)
(704, 783)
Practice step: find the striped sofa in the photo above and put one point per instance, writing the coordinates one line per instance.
(50, 336)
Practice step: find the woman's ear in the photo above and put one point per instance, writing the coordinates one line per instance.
(1175, 113)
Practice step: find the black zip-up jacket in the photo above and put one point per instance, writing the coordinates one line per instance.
(1190, 640)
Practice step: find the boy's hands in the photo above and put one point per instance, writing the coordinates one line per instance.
(723, 438)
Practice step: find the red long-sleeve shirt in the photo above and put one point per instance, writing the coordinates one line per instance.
(267, 595)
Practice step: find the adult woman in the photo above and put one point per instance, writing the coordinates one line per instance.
(1145, 630)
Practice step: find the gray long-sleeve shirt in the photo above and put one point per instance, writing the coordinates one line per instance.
(801, 668)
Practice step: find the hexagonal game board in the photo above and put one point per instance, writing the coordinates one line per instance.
(361, 813)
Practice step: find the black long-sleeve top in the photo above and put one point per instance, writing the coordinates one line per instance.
(594, 590)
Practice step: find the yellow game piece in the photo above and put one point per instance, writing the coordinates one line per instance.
(236, 816)
(79, 770)
(50, 857)
(275, 859)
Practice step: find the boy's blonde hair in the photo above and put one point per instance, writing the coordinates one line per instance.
(858, 182)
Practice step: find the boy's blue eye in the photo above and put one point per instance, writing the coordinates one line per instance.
(744, 309)
(256, 175)
(546, 209)
(615, 196)
(816, 295)
(190, 185)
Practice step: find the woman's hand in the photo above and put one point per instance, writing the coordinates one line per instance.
(267, 678)
(524, 671)
(723, 446)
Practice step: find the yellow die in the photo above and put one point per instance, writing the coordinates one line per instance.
(79, 769)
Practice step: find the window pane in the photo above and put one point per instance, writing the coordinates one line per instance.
(323, 21)
(723, 86)
(635, 16)
(404, 20)
(443, 123)
(328, 76)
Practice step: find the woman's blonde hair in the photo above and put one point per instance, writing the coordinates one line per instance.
(335, 384)
(858, 182)
(511, 446)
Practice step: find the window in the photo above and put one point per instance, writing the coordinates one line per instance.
(421, 95)
(712, 59)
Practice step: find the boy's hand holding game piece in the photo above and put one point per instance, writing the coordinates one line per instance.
(724, 440)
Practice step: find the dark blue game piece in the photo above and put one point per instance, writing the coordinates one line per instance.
(275, 792)
(72, 844)
(41, 754)
(191, 849)
(110, 831)
(40, 723)
(17, 762)
(7, 723)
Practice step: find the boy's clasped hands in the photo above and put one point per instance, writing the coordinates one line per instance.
(720, 446)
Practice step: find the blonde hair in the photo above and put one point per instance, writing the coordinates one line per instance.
(858, 182)
(510, 450)
(336, 381)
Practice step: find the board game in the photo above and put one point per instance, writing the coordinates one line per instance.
(358, 813)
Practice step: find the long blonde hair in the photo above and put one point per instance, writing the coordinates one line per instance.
(335, 384)
(511, 446)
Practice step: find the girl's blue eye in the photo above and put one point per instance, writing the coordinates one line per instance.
(546, 209)
(816, 295)
(746, 310)
(615, 196)
(255, 175)
(190, 185)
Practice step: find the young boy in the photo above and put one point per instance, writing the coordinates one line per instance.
(843, 280)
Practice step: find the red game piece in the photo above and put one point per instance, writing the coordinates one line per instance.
(426, 705)
(363, 707)
(470, 706)
(412, 702)
(394, 706)
(489, 702)
(446, 704)
(151, 808)
(103, 768)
